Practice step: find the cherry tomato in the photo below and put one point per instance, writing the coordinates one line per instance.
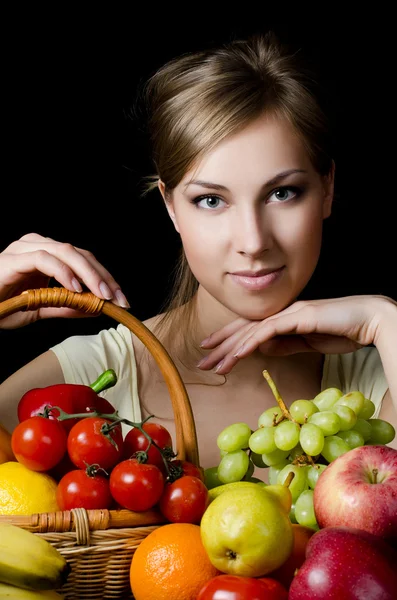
(39, 443)
(70, 397)
(136, 486)
(188, 468)
(79, 489)
(135, 441)
(235, 587)
(88, 445)
(184, 500)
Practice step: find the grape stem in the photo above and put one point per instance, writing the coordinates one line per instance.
(285, 414)
(280, 401)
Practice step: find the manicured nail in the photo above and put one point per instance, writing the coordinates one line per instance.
(121, 299)
(239, 351)
(76, 285)
(219, 366)
(205, 342)
(105, 291)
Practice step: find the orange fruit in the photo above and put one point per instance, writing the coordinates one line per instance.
(170, 564)
(286, 572)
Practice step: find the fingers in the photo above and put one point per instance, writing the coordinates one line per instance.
(69, 265)
(251, 337)
(219, 336)
(228, 340)
(227, 347)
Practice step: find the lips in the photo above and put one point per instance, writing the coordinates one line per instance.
(259, 273)
(256, 280)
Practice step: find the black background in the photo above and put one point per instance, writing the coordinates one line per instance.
(74, 154)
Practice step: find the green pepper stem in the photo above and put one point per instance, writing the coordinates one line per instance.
(105, 381)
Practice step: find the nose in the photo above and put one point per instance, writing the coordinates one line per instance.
(251, 233)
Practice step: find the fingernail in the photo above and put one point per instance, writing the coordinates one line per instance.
(219, 366)
(76, 285)
(105, 291)
(204, 342)
(121, 299)
(201, 362)
(239, 351)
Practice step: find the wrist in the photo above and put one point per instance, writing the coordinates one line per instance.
(386, 319)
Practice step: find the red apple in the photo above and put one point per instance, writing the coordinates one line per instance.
(359, 489)
(343, 563)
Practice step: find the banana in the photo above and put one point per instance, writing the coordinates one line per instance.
(235, 485)
(10, 591)
(29, 561)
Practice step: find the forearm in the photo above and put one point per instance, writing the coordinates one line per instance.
(386, 343)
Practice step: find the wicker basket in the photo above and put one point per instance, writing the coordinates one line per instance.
(99, 544)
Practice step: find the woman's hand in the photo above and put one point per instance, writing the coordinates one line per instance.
(333, 326)
(31, 262)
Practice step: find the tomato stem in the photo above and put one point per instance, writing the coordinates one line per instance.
(92, 470)
(107, 428)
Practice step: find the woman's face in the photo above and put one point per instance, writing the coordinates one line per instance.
(250, 218)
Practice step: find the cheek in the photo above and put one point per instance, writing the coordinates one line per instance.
(202, 249)
(300, 236)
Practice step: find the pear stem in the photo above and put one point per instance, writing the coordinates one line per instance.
(276, 394)
(288, 479)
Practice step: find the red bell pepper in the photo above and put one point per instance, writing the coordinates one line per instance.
(70, 397)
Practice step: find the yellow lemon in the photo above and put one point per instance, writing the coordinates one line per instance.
(24, 492)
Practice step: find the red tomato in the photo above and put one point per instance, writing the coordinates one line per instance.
(135, 441)
(188, 468)
(234, 587)
(87, 445)
(78, 489)
(39, 443)
(275, 589)
(71, 398)
(184, 500)
(136, 486)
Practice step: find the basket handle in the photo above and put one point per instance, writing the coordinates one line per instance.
(186, 437)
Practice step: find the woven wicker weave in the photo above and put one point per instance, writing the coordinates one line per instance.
(99, 544)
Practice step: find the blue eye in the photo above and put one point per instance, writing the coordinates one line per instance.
(207, 202)
(283, 194)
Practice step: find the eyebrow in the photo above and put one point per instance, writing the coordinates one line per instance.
(273, 181)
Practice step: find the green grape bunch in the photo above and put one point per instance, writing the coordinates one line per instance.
(303, 439)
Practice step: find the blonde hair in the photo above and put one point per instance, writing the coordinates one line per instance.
(196, 100)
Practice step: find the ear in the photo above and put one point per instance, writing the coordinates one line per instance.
(169, 205)
(329, 186)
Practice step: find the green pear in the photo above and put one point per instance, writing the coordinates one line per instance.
(247, 531)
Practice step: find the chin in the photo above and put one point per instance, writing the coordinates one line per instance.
(256, 311)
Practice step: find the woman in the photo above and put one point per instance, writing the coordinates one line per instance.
(244, 163)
